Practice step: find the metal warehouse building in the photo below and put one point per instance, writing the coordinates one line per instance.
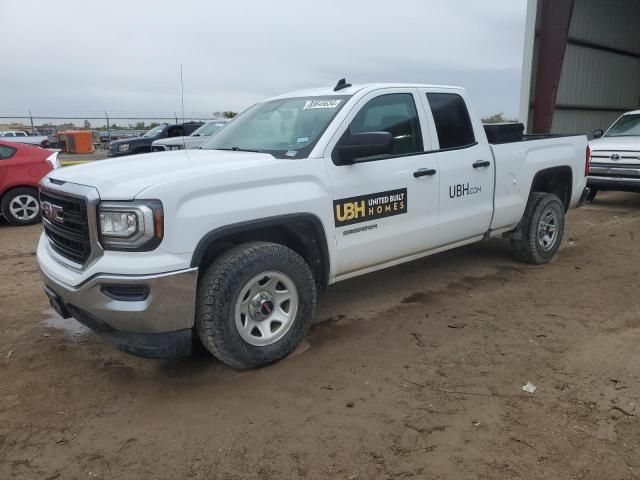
(581, 66)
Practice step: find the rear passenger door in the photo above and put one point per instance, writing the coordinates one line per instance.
(465, 167)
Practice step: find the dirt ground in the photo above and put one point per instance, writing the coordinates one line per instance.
(415, 372)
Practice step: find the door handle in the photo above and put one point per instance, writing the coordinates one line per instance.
(482, 163)
(424, 172)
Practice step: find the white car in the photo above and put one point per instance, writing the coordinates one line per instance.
(231, 242)
(194, 140)
(616, 156)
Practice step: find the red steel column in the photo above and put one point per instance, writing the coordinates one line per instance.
(555, 16)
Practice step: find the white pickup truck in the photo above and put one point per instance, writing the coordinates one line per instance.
(20, 136)
(230, 243)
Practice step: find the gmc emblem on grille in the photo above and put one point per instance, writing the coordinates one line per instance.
(52, 211)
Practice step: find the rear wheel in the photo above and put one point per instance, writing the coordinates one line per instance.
(539, 236)
(592, 195)
(20, 206)
(255, 304)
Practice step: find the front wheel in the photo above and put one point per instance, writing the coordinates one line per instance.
(539, 236)
(20, 206)
(255, 304)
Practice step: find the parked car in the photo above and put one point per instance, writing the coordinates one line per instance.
(615, 156)
(131, 146)
(21, 169)
(192, 141)
(231, 242)
(20, 136)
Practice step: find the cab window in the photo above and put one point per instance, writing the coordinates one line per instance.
(175, 131)
(394, 113)
(452, 120)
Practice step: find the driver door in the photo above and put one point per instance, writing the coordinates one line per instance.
(385, 208)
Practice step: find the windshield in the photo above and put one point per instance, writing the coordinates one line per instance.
(154, 132)
(208, 129)
(284, 128)
(626, 126)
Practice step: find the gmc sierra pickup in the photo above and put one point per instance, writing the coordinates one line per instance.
(230, 243)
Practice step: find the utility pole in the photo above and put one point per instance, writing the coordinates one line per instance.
(108, 127)
(33, 132)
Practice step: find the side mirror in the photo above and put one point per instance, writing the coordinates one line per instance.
(598, 133)
(355, 148)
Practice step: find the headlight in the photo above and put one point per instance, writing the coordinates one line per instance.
(123, 148)
(137, 226)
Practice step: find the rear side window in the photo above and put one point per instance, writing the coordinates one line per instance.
(175, 132)
(6, 152)
(394, 113)
(189, 128)
(452, 120)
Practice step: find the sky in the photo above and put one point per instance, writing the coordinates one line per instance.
(79, 57)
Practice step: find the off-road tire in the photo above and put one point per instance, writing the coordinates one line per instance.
(525, 245)
(218, 291)
(5, 206)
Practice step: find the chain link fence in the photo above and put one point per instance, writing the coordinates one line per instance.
(104, 128)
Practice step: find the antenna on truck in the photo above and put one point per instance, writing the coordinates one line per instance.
(342, 83)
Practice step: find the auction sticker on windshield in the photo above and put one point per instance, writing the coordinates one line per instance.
(321, 104)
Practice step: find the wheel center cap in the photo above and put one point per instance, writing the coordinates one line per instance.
(261, 306)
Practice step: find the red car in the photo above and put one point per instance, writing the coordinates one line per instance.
(21, 168)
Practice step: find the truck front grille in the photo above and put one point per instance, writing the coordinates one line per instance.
(66, 225)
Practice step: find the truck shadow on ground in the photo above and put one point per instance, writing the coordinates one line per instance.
(423, 281)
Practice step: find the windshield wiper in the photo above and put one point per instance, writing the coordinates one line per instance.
(238, 149)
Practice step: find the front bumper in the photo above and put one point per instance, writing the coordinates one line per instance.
(613, 176)
(112, 154)
(148, 315)
(614, 183)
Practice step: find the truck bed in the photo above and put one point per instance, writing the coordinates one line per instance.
(499, 133)
(518, 161)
